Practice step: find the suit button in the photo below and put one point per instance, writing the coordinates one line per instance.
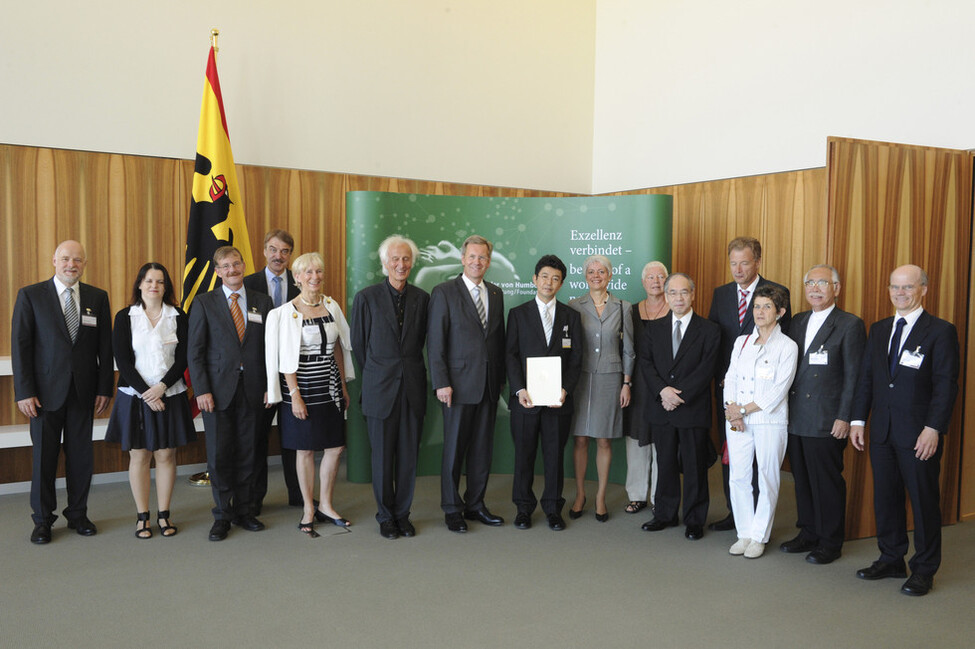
(890, 385)
(808, 396)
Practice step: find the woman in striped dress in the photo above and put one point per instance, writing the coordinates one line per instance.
(308, 362)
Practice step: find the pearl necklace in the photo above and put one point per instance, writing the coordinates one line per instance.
(321, 300)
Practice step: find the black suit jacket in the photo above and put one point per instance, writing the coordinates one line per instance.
(387, 357)
(903, 404)
(215, 354)
(821, 394)
(258, 282)
(525, 338)
(45, 361)
(462, 354)
(724, 311)
(690, 371)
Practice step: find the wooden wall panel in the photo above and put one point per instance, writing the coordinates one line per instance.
(891, 205)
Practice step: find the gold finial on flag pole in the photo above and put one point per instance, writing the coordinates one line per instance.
(214, 34)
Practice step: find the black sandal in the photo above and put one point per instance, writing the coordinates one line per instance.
(165, 529)
(308, 528)
(636, 506)
(144, 532)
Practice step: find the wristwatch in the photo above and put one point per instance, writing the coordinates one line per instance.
(743, 411)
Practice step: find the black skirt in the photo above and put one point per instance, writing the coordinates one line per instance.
(134, 424)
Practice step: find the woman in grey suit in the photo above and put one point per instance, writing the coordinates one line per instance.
(604, 385)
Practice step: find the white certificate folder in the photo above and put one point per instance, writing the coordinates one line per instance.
(544, 380)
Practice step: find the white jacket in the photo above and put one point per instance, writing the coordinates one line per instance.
(762, 374)
(282, 343)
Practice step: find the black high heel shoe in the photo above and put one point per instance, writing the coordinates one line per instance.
(574, 515)
(165, 530)
(308, 528)
(145, 530)
(322, 517)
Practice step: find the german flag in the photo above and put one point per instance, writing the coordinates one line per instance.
(216, 208)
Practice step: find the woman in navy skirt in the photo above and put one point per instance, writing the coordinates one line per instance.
(308, 362)
(151, 415)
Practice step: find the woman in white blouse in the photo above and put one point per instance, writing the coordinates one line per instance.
(151, 415)
(756, 395)
(308, 354)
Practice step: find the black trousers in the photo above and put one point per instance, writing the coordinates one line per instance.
(894, 469)
(231, 439)
(75, 420)
(551, 427)
(817, 469)
(468, 438)
(679, 448)
(260, 464)
(395, 443)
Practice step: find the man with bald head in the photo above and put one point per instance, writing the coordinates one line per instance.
(908, 384)
(61, 352)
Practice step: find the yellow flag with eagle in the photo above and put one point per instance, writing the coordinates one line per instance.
(216, 208)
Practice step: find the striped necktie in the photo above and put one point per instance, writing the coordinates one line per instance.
(70, 313)
(237, 315)
(742, 306)
(547, 324)
(481, 313)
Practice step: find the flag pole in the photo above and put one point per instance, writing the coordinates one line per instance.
(202, 479)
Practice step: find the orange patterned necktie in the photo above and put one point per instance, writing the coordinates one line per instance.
(237, 315)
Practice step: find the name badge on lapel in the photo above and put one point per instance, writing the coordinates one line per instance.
(764, 372)
(820, 357)
(566, 341)
(912, 359)
(88, 319)
(254, 316)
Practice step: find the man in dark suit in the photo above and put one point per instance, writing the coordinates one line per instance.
(908, 383)
(820, 404)
(465, 344)
(61, 353)
(678, 355)
(542, 327)
(276, 281)
(226, 362)
(389, 327)
(731, 309)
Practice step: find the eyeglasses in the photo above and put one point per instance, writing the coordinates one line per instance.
(682, 293)
(821, 283)
(904, 287)
(228, 266)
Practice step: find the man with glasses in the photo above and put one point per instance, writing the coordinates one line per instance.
(277, 282)
(908, 383)
(820, 404)
(226, 362)
(678, 355)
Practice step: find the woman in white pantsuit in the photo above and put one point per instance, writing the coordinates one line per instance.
(756, 395)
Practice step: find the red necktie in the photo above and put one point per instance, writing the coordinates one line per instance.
(742, 306)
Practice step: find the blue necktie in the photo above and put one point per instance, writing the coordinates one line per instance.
(895, 345)
(277, 291)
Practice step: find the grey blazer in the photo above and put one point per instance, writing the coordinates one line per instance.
(215, 354)
(388, 358)
(601, 351)
(820, 394)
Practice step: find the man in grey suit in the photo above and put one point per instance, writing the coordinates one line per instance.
(226, 362)
(61, 353)
(389, 327)
(276, 281)
(465, 344)
(820, 403)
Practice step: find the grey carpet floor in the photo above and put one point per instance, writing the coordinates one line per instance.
(592, 585)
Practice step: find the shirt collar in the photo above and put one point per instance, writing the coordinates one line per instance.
(470, 284)
(911, 317)
(60, 287)
(751, 287)
(684, 321)
(270, 276)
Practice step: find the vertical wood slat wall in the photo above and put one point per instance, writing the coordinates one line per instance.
(129, 209)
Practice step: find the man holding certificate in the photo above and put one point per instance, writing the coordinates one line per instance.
(544, 358)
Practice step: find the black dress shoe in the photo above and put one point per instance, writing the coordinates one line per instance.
(556, 522)
(658, 524)
(725, 524)
(881, 570)
(219, 530)
(41, 534)
(249, 523)
(484, 516)
(389, 530)
(798, 544)
(83, 526)
(917, 585)
(405, 527)
(523, 521)
(694, 532)
(821, 556)
(455, 523)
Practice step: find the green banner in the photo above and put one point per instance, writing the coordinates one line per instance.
(629, 230)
